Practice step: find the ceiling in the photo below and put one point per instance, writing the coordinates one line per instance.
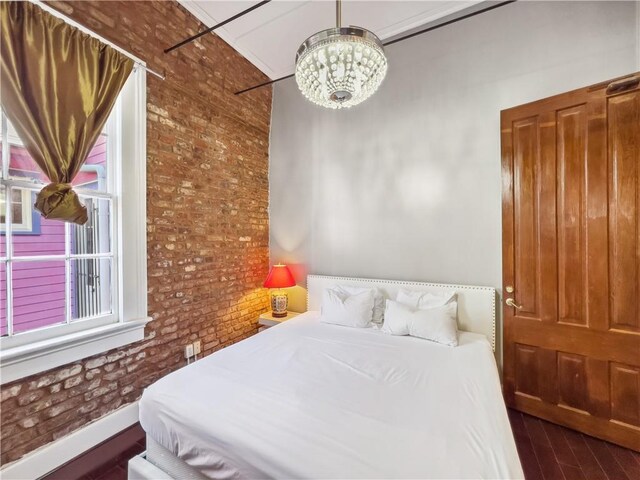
(270, 36)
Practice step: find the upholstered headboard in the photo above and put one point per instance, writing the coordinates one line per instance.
(476, 305)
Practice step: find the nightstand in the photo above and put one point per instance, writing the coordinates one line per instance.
(268, 320)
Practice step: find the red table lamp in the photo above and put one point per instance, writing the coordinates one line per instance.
(279, 277)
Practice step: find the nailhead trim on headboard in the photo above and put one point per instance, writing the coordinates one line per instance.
(421, 284)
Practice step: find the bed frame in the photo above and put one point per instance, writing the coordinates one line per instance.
(476, 313)
(476, 305)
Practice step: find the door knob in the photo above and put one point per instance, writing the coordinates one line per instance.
(511, 302)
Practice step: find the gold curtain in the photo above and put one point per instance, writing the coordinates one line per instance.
(57, 87)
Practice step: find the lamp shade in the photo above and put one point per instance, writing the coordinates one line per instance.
(279, 277)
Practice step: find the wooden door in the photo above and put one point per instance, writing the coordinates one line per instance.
(571, 259)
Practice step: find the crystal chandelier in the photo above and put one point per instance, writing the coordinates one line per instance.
(340, 67)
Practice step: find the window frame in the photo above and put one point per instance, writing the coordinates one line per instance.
(67, 325)
(38, 350)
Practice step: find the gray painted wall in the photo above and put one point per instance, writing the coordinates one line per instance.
(407, 185)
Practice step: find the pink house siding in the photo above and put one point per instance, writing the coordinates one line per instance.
(38, 294)
(50, 240)
(3, 298)
(39, 286)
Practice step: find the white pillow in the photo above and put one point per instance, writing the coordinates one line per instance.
(395, 320)
(347, 310)
(378, 299)
(437, 324)
(422, 300)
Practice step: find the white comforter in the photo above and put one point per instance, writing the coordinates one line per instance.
(310, 400)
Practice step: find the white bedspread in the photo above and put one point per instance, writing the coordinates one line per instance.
(311, 400)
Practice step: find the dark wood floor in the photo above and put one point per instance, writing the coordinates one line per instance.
(116, 469)
(106, 461)
(550, 452)
(547, 452)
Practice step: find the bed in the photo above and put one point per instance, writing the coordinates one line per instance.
(306, 399)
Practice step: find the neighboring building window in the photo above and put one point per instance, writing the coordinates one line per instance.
(57, 279)
(23, 219)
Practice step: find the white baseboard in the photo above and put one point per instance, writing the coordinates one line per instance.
(53, 455)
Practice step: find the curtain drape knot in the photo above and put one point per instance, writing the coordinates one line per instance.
(58, 201)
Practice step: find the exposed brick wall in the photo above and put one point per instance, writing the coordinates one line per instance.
(207, 221)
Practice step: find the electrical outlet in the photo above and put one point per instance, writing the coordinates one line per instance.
(188, 351)
(197, 347)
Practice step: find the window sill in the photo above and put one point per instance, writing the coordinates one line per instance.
(20, 362)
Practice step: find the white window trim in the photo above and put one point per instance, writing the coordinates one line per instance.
(19, 361)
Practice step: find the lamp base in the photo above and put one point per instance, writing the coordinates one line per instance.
(279, 303)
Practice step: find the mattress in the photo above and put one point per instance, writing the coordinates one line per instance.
(305, 399)
(169, 463)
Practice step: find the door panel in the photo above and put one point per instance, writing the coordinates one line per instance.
(527, 380)
(623, 114)
(596, 216)
(571, 260)
(625, 392)
(572, 381)
(525, 158)
(572, 156)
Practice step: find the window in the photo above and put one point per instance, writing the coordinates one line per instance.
(64, 284)
(62, 273)
(23, 219)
